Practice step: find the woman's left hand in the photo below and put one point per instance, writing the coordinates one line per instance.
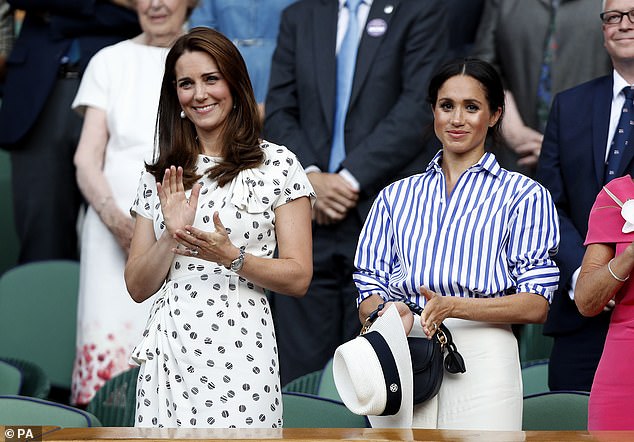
(437, 309)
(211, 246)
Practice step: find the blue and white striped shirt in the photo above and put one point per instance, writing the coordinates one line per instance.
(495, 235)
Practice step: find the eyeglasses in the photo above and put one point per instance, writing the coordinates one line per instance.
(615, 17)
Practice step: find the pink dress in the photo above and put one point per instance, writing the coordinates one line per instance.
(612, 394)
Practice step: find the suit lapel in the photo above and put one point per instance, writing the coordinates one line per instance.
(600, 127)
(380, 15)
(324, 37)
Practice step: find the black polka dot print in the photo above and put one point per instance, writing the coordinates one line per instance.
(214, 329)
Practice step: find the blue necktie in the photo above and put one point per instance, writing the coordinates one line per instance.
(621, 136)
(346, 60)
(73, 53)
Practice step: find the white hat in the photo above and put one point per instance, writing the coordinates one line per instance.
(373, 373)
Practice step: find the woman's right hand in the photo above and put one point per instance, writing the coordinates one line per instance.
(407, 317)
(178, 210)
(120, 225)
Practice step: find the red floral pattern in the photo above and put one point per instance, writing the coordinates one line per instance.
(94, 366)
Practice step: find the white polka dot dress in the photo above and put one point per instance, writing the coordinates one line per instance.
(208, 356)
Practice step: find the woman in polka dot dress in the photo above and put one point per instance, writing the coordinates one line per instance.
(209, 213)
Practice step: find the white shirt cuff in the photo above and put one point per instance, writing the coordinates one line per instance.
(311, 168)
(573, 283)
(346, 175)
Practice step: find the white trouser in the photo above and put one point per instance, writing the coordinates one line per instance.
(489, 395)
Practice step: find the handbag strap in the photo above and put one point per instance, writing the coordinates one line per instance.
(454, 363)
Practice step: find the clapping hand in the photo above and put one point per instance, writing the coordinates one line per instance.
(211, 246)
(178, 210)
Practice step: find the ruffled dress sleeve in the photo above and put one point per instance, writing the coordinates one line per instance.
(605, 225)
(279, 180)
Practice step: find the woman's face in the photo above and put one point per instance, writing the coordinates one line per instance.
(202, 92)
(462, 116)
(162, 19)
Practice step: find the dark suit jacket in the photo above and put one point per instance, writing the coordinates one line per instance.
(571, 167)
(46, 34)
(387, 114)
(464, 16)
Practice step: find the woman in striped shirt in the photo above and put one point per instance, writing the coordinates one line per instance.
(472, 243)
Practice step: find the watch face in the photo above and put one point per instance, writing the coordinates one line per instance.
(236, 264)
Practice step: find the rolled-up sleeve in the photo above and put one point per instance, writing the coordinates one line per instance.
(533, 242)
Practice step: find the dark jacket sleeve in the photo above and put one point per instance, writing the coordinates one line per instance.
(549, 173)
(283, 124)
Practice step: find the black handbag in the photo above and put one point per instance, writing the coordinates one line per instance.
(429, 361)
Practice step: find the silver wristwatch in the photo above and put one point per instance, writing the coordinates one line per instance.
(237, 263)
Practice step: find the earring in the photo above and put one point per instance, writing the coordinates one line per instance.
(182, 114)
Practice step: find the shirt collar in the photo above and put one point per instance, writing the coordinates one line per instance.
(363, 2)
(487, 163)
(619, 84)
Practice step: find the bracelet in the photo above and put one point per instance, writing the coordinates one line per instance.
(375, 313)
(613, 275)
(371, 318)
(413, 307)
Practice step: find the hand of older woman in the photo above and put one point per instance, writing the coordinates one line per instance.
(122, 228)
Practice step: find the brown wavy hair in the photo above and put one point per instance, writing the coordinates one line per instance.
(175, 137)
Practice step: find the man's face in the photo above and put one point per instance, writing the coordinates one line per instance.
(619, 37)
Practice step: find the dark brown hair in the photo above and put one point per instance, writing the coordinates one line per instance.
(481, 71)
(176, 138)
